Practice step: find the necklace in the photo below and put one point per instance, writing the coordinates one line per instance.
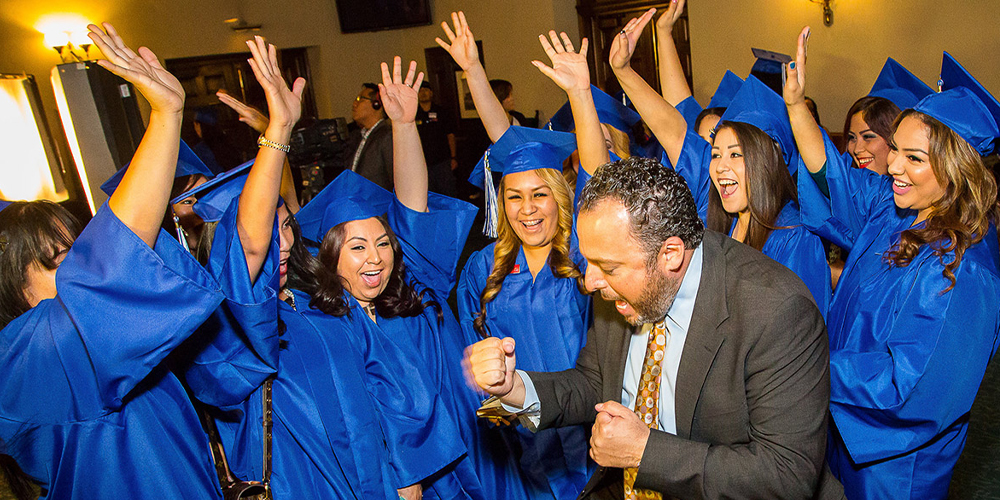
(289, 298)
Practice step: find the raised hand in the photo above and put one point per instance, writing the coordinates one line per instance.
(795, 83)
(665, 24)
(461, 44)
(161, 89)
(399, 96)
(569, 68)
(284, 105)
(624, 45)
(248, 114)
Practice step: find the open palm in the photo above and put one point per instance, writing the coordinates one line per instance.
(461, 43)
(284, 105)
(399, 96)
(569, 69)
(143, 70)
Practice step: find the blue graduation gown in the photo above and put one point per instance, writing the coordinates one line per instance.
(431, 244)
(347, 422)
(690, 109)
(88, 408)
(549, 318)
(791, 244)
(692, 165)
(906, 358)
(795, 247)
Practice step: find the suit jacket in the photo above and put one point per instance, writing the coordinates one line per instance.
(375, 163)
(752, 393)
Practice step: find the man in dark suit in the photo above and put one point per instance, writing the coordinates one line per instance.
(734, 397)
(371, 138)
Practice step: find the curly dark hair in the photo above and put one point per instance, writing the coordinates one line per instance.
(657, 199)
(31, 232)
(317, 276)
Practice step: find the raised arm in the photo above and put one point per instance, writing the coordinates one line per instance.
(666, 122)
(258, 121)
(570, 72)
(462, 47)
(808, 136)
(673, 85)
(255, 218)
(409, 168)
(141, 199)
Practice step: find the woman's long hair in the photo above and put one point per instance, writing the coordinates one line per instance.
(317, 276)
(20, 485)
(508, 244)
(769, 185)
(960, 218)
(31, 233)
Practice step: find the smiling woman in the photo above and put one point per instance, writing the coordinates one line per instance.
(921, 291)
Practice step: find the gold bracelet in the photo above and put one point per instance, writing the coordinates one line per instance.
(263, 142)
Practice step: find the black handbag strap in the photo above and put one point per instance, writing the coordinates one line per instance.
(268, 424)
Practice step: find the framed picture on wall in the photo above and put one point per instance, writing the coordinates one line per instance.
(466, 107)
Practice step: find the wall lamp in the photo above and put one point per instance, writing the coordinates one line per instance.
(67, 35)
(827, 11)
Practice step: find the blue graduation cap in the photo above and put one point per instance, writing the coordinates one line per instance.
(4, 204)
(188, 163)
(727, 89)
(610, 111)
(348, 198)
(769, 68)
(954, 75)
(756, 104)
(965, 114)
(898, 85)
(520, 149)
(215, 195)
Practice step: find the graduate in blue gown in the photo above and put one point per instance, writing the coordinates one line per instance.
(355, 416)
(88, 408)
(191, 172)
(916, 314)
(524, 285)
(751, 196)
(868, 124)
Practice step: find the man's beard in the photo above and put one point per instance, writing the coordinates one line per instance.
(655, 300)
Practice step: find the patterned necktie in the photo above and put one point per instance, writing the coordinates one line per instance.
(647, 402)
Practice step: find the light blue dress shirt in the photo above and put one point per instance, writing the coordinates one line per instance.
(678, 321)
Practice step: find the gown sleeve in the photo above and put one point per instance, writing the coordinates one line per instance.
(693, 166)
(798, 249)
(856, 195)
(121, 307)
(418, 429)
(237, 348)
(925, 368)
(690, 109)
(470, 288)
(432, 241)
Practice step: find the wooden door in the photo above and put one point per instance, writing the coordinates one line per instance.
(602, 20)
(203, 76)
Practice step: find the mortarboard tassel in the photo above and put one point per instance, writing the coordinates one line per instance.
(490, 227)
(181, 235)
